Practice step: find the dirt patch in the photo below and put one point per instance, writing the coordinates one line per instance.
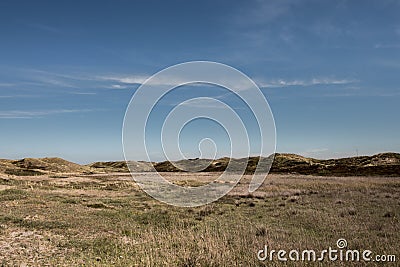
(4, 187)
(26, 248)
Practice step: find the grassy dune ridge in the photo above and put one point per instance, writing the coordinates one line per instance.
(383, 164)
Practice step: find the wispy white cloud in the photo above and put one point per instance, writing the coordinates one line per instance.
(76, 81)
(125, 79)
(55, 82)
(189, 79)
(202, 103)
(83, 93)
(23, 114)
(260, 12)
(141, 79)
(66, 76)
(385, 46)
(351, 91)
(7, 84)
(119, 86)
(314, 81)
(37, 77)
(120, 81)
(316, 153)
(316, 150)
(388, 63)
(17, 96)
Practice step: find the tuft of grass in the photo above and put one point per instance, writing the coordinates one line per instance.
(158, 218)
(97, 206)
(23, 172)
(11, 194)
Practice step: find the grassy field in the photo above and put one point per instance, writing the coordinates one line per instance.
(102, 220)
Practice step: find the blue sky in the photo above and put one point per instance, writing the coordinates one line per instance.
(329, 70)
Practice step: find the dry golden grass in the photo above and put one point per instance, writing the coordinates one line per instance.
(103, 220)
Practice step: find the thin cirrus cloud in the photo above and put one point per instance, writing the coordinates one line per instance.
(33, 78)
(261, 12)
(388, 46)
(316, 150)
(31, 114)
(125, 80)
(83, 93)
(121, 82)
(7, 84)
(202, 102)
(122, 79)
(17, 96)
(119, 86)
(56, 82)
(314, 81)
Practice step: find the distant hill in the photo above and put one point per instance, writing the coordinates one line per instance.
(32, 166)
(122, 166)
(380, 164)
(387, 164)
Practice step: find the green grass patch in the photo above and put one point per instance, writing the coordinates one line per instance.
(12, 194)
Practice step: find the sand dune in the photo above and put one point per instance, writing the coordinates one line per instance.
(376, 165)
